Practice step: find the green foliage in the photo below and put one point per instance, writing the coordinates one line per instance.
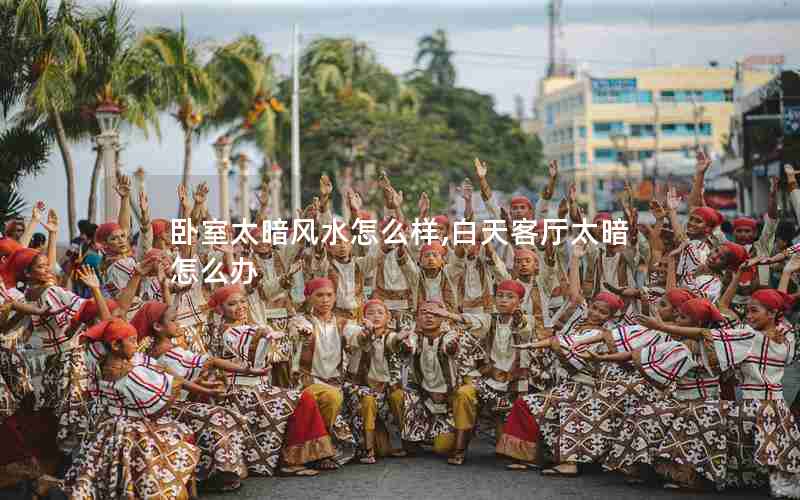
(12, 205)
(23, 151)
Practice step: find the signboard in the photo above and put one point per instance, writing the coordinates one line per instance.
(791, 120)
(610, 84)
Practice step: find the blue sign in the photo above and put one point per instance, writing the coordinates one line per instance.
(791, 120)
(613, 84)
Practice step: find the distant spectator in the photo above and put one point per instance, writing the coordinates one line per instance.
(38, 241)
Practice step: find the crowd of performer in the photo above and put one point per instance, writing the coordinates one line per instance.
(660, 359)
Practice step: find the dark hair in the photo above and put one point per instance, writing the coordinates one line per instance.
(38, 240)
(786, 231)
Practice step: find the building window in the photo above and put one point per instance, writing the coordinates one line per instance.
(583, 159)
(605, 129)
(622, 96)
(728, 95)
(696, 95)
(644, 155)
(669, 129)
(582, 132)
(600, 185)
(643, 130)
(604, 155)
(584, 189)
(685, 129)
(668, 96)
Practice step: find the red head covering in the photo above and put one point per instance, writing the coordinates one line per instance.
(8, 246)
(149, 314)
(711, 216)
(433, 246)
(512, 286)
(521, 200)
(109, 331)
(160, 226)
(737, 255)
(601, 216)
(104, 231)
(614, 302)
(745, 222)
(222, 294)
(701, 310)
(375, 302)
(774, 300)
(88, 311)
(13, 269)
(677, 296)
(442, 219)
(524, 252)
(316, 284)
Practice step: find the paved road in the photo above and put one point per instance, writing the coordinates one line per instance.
(429, 477)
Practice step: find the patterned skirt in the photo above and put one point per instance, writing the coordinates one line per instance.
(420, 424)
(223, 436)
(134, 458)
(592, 425)
(353, 395)
(285, 424)
(537, 419)
(65, 391)
(15, 382)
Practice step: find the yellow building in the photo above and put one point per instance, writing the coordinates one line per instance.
(591, 124)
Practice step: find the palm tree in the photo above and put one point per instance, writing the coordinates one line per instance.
(336, 65)
(187, 83)
(434, 48)
(57, 55)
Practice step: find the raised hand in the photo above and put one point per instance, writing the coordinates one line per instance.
(791, 173)
(481, 169)
(325, 186)
(424, 204)
(657, 210)
(144, 207)
(263, 195)
(52, 222)
(355, 202)
(466, 190)
(88, 277)
(579, 249)
(703, 162)
(552, 168)
(201, 193)
(649, 322)
(123, 185)
(572, 195)
(673, 200)
(773, 185)
(563, 208)
(436, 310)
(37, 210)
(397, 198)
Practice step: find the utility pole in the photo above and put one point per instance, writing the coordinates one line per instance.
(296, 201)
(657, 131)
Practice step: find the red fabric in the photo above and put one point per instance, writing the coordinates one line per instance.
(738, 255)
(109, 331)
(521, 200)
(677, 296)
(614, 302)
(524, 252)
(710, 215)
(11, 226)
(745, 222)
(150, 313)
(104, 231)
(441, 219)
(316, 284)
(88, 311)
(434, 246)
(306, 423)
(774, 300)
(701, 310)
(13, 270)
(160, 226)
(601, 216)
(521, 424)
(374, 302)
(512, 286)
(222, 294)
(8, 246)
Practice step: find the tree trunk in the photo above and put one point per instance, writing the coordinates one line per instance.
(69, 170)
(187, 157)
(92, 215)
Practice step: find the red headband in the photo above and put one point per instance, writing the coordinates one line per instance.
(711, 216)
(375, 302)
(738, 255)
(677, 296)
(601, 216)
(109, 331)
(317, 284)
(512, 286)
(434, 246)
(160, 226)
(441, 219)
(8, 246)
(149, 314)
(104, 231)
(774, 300)
(521, 200)
(13, 269)
(222, 294)
(524, 252)
(745, 222)
(701, 310)
(88, 311)
(614, 302)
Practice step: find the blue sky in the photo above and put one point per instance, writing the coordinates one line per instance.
(500, 49)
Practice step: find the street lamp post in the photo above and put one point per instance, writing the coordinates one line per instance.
(222, 148)
(244, 192)
(108, 117)
(275, 176)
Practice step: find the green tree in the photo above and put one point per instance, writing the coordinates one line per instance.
(434, 51)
